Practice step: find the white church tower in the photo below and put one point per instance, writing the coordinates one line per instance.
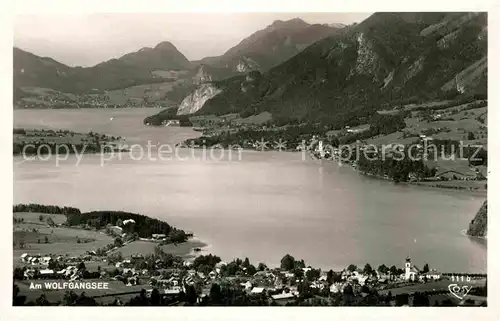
(408, 268)
(320, 149)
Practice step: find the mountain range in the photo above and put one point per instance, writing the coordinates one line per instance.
(128, 70)
(269, 47)
(388, 59)
(298, 71)
(260, 51)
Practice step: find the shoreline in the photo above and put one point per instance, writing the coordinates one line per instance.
(186, 250)
(464, 232)
(420, 184)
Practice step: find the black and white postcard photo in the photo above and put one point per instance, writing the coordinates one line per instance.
(249, 159)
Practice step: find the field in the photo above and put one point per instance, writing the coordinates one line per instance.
(394, 138)
(234, 118)
(175, 74)
(137, 247)
(153, 92)
(432, 286)
(459, 165)
(454, 123)
(47, 92)
(255, 119)
(35, 217)
(185, 250)
(478, 186)
(57, 295)
(61, 240)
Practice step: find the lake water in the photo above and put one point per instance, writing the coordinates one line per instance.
(263, 206)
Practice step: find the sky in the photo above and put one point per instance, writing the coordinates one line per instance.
(88, 39)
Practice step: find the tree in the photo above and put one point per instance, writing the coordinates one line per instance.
(312, 274)
(402, 299)
(420, 300)
(19, 273)
(393, 270)
(367, 269)
(191, 295)
(352, 268)
(155, 297)
(246, 262)
(329, 277)
(383, 269)
(261, 267)
(287, 262)
(40, 218)
(69, 298)
(81, 266)
(118, 242)
(53, 264)
(251, 270)
(17, 300)
(300, 264)
(426, 268)
(119, 223)
(388, 297)
(215, 294)
(46, 240)
(298, 272)
(50, 221)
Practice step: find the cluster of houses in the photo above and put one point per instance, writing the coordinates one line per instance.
(38, 267)
(278, 285)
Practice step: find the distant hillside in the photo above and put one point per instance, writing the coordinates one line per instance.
(390, 58)
(163, 56)
(131, 69)
(479, 225)
(271, 46)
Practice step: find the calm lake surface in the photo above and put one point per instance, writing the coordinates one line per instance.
(262, 206)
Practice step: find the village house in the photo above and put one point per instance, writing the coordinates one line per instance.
(24, 257)
(430, 275)
(29, 273)
(129, 221)
(46, 260)
(283, 298)
(247, 285)
(172, 291)
(257, 290)
(46, 274)
(158, 237)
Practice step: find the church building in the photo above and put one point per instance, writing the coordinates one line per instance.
(411, 271)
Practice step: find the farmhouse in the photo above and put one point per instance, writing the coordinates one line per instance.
(47, 273)
(24, 257)
(431, 275)
(129, 221)
(158, 236)
(283, 298)
(257, 290)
